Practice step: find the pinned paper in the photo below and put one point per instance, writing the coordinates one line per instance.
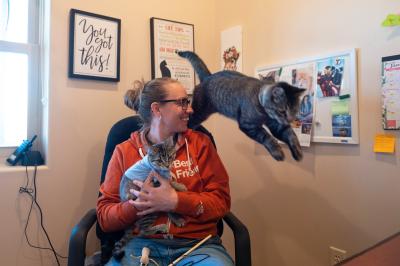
(391, 20)
(340, 107)
(384, 143)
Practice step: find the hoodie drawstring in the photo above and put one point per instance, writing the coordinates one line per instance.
(141, 152)
(188, 156)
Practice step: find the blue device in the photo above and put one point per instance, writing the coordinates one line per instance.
(20, 151)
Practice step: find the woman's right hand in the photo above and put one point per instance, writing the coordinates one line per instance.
(140, 189)
(154, 199)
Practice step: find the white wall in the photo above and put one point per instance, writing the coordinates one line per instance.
(345, 196)
(338, 195)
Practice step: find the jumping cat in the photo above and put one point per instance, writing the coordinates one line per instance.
(159, 158)
(251, 102)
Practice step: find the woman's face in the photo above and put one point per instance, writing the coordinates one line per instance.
(175, 114)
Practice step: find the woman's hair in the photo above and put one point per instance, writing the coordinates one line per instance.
(142, 95)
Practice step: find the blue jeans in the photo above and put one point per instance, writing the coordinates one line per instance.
(162, 253)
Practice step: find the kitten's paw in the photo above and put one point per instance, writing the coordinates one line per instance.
(177, 219)
(180, 222)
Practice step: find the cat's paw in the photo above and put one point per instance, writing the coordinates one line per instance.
(277, 153)
(297, 153)
(295, 148)
(274, 149)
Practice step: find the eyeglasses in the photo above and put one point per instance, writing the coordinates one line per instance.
(183, 102)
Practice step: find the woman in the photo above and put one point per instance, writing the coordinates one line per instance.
(165, 109)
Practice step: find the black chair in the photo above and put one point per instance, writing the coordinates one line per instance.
(77, 244)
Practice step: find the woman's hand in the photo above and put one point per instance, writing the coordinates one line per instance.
(154, 199)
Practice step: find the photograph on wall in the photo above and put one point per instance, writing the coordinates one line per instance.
(231, 49)
(391, 92)
(94, 46)
(166, 37)
(270, 74)
(341, 125)
(329, 76)
(300, 75)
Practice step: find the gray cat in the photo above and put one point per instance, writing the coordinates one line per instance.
(251, 102)
(159, 157)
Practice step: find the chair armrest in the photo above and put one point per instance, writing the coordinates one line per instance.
(77, 241)
(242, 240)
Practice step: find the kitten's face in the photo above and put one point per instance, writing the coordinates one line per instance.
(162, 154)
(281, 101)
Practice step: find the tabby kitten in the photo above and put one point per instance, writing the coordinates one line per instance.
(159, 158)
(251, 102)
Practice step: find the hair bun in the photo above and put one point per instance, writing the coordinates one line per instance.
(132, 96)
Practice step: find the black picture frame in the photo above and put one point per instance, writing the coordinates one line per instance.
(94, 46)
(166, 37)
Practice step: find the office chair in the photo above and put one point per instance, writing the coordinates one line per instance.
(120, 132)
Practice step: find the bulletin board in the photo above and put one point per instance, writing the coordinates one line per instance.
(333, 85)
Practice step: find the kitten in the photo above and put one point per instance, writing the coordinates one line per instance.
(252, 102)
(159, 159)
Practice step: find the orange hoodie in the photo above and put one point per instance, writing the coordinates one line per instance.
(197, 166)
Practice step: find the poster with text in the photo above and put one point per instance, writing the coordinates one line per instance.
(167, 37)
(391, 92)
(94, 51)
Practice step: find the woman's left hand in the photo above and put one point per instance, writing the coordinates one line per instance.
(154, 199)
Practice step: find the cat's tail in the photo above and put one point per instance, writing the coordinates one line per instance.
(199, 66)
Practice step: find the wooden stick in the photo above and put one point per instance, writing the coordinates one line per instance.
(190, 250)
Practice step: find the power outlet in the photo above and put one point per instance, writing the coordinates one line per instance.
(337, 255)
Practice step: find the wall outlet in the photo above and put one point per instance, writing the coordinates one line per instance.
(337, 255)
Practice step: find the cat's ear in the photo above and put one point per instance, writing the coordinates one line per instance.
(296, 91)
(169, 142)
(278, 96)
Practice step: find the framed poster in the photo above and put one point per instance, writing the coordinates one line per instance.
(231, 49)
(329, 109)
(391, 92)
(94, 46)
(167, 36)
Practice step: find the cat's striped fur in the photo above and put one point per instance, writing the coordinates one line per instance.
(251, 102)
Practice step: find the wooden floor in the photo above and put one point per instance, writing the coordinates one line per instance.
(384, 253)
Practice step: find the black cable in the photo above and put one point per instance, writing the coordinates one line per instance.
(33, 194)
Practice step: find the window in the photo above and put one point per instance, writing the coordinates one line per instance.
(20, 67)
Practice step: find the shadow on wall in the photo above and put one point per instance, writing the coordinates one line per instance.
(90, 190)
(296, 217)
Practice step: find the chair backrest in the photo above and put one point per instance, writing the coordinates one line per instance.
(120, 132)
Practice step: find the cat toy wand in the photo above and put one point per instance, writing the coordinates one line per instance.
(190, 250)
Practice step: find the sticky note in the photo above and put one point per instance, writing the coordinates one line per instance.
(340, 107)
(391, 20)
(384, 143)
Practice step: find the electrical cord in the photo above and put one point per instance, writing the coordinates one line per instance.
(33, 194)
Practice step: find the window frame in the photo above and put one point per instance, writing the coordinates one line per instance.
(33, 49)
